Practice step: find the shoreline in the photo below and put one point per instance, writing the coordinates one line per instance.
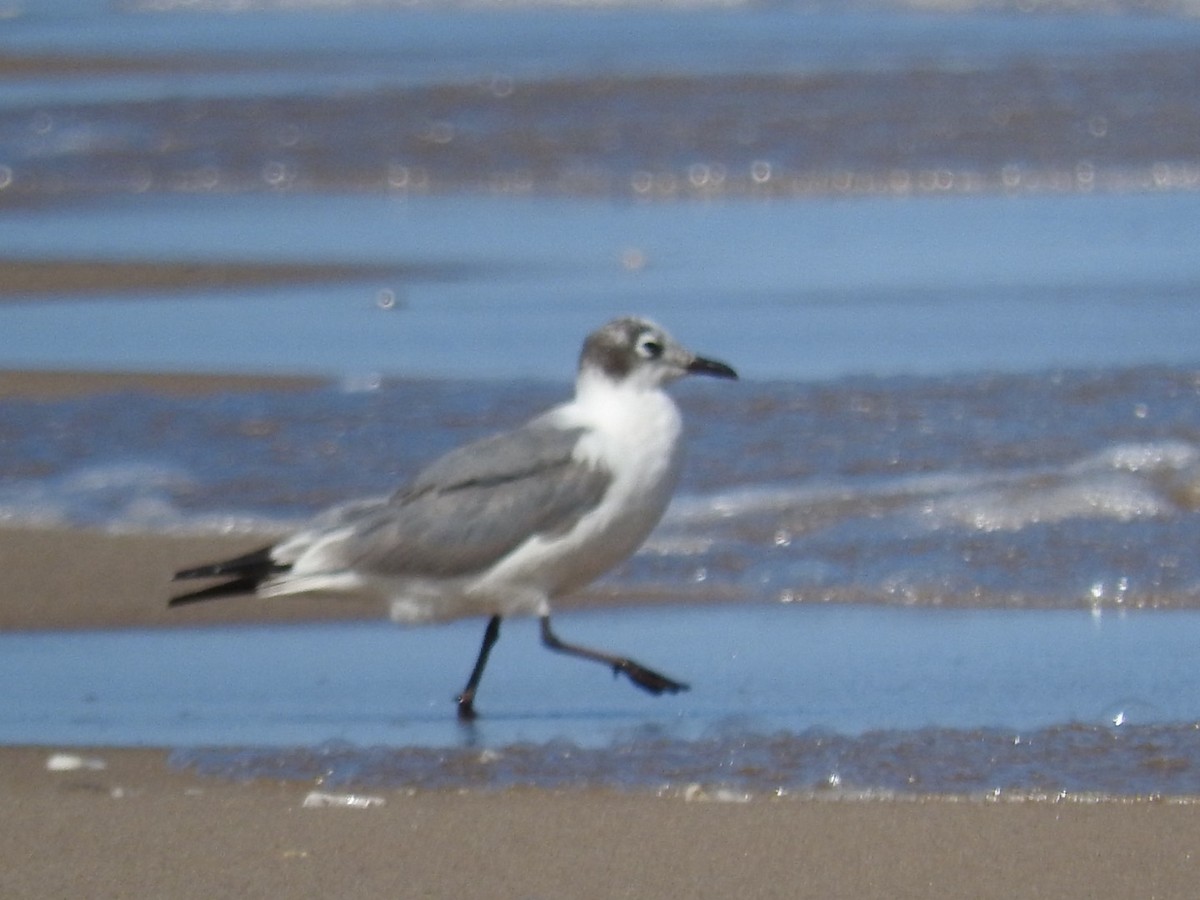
(61, 577)
(58, 384)
(127, 823)
(52, 279)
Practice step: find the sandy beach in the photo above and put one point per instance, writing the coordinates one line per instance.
(137, 828)
(125, 823)
(84, 579)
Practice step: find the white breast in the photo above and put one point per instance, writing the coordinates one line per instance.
(634, 434)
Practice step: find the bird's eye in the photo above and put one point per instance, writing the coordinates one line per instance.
(649, 348)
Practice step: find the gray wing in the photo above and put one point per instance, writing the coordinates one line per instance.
(477, 503)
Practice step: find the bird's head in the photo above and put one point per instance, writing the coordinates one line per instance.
(639, 353)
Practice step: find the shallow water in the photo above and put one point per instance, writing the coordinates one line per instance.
(929, 491)
(797, 291)
(782, 698)
(952, 252)
(779, 99)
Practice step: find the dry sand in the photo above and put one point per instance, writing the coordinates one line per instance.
(138, 828)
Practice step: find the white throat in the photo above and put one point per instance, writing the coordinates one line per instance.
(634, 428)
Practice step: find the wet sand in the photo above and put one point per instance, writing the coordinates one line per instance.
(53, 385)
(43, 65)
(59, 278)
(138, 827)
(59, 578)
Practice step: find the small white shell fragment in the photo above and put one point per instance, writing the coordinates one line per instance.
(70, 762)
(695, 793)
(320, 799)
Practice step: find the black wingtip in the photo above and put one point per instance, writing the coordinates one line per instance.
(256, 562)
(213, 570)
(245, 574)
(233, 588)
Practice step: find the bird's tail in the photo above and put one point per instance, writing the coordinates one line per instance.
(244, 573)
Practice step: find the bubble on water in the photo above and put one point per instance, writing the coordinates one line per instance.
(501, 86)
(398, 176)
(633, 259)
(441, 132)
(642, 182)
(278, 174)
(386, 299)
(42, 123)
(760, 171)
(362, 383)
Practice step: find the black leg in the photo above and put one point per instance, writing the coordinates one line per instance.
(466, 700)
(647, 679)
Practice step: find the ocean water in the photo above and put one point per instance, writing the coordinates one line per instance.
(940, 538)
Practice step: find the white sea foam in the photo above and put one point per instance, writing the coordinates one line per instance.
(1033, 502)
(1151, 456)
(1123, 483)
(129, 496)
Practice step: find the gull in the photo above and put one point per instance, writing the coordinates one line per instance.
(504, 525)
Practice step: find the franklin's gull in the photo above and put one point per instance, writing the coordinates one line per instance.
(503, 525)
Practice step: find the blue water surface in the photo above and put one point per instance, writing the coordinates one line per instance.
(783, 699)
(752, 670)
(799, 291)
